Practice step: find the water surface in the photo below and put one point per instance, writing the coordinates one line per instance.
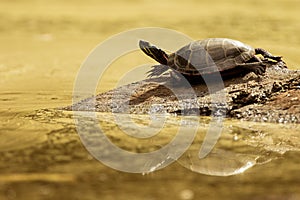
(41, 154)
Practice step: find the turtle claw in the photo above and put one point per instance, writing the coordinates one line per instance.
(157, 70)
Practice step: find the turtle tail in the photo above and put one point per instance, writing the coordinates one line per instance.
(154, 52)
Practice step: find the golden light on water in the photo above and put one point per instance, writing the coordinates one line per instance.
(44, 43)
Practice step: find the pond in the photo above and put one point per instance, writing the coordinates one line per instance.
(44, 156)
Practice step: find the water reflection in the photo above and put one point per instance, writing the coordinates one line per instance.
(241, 146)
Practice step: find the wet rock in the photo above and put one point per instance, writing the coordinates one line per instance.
(273, 97)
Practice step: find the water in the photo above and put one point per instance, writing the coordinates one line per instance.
(41, 154)
(40, 148)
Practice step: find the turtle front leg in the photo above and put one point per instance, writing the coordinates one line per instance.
(157, 70)
(267, 54)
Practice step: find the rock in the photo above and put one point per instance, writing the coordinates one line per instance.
(273, 97)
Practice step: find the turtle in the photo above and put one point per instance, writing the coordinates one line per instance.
(228, 57)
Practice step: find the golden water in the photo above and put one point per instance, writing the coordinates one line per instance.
(42, 45)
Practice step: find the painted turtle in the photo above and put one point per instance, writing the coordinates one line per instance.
(205, 57)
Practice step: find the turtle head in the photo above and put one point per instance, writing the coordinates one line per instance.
(154, 52)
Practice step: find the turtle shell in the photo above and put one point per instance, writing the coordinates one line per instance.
(209, 56)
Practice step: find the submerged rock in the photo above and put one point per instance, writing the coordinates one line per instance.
(273, 97)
